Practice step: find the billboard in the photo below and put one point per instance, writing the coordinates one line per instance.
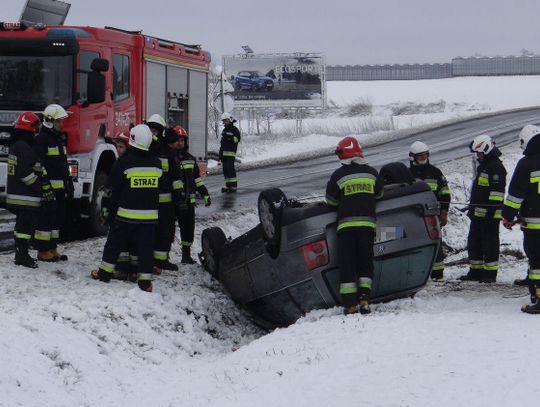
(276, 80)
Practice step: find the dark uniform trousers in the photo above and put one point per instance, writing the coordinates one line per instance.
(531, 246)
(355, 248)
(125, 236)
(164, 236)
(186, 224)
(25, 225)
(229, 172)
(483, 247)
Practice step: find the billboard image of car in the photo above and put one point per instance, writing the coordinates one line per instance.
(276, 80)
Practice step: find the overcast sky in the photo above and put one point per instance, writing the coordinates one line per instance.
(347, 32)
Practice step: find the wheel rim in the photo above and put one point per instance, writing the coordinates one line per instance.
(267, 219)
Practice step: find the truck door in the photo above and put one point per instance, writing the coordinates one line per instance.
(94, 118)
(123, 94)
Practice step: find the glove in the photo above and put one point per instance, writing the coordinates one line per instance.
(508, 224)
(70, 189)
(443, 218)
(207, 201)
(48, 196)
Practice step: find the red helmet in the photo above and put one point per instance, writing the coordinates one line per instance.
(181, 132)
(348, 148)
(28, 121)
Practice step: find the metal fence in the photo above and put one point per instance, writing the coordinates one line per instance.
(473, 66)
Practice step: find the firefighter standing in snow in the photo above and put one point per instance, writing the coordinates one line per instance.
(134, 181)
(26, 186)
(487, 196)
(50, 147)
(165, 228)
(523, 201)
(353, 189)
(230, 137)
(423, 170)
(191, 183)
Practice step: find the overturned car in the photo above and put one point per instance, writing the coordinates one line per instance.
(287, 265)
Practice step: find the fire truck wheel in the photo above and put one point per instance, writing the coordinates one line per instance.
(96, 222)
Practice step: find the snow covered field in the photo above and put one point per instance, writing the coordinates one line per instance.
(66, 340)
(392, 107)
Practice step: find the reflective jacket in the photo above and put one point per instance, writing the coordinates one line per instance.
(191, 181)
(171, 173)
(353, 189)
(25, 174)
(433, 176)
(134, 181)
(523, 197)
(230, 137)
(487, 193)
(51, 151)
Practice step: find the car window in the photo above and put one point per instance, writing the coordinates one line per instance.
(120, 76)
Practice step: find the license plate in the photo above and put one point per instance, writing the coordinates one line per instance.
(388, 233)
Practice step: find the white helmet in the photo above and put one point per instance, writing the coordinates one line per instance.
(482, 144)
(158, 119)
(227, 116)
(526, 134)
(417, 147)
(53, 112)
(140, 137)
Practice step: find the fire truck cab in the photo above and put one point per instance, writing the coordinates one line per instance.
(108, 80)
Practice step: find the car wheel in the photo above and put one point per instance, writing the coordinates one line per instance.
(270, 205)
(396, 173)
(254, 88)
(212, 242)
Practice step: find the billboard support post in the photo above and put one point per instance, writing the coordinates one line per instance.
(222, 81)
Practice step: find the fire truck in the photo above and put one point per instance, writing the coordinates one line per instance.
(108, 79)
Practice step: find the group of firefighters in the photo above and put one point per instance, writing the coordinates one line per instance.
(354, 188)
(154, 183)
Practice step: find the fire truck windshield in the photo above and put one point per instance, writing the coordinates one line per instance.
(33, 82)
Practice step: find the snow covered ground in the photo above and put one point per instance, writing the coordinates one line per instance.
(376, 111)
(66, 340)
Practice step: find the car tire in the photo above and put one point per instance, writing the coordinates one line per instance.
(254, 88)
(396, 173)
(96, 223)
(212, 242)
(270, 207)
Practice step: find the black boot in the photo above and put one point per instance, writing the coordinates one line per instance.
(488, 276)
(522, 281)
(22, 258)
(186, 255)
(167, 265)
(472, 275)
(535, 307)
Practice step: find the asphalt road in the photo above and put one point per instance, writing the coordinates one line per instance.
(310, 176)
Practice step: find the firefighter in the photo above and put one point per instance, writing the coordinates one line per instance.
(127, 261)
(26, 186)
(165, 228)
(133, 208)
(190, 183)
(50, 148)
(423, 170)
(353, 189)
(230, 137)
(485, 208)
(523, 202)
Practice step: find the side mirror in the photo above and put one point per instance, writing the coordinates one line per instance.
(96, 87)
(99, 65)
